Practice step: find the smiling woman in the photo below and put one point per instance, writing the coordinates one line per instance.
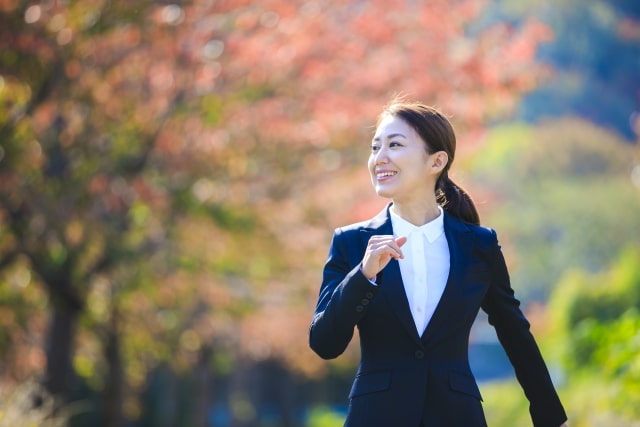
(412, 280)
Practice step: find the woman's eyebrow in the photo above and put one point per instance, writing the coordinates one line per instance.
(391, 136)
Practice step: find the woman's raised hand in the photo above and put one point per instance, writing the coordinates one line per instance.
(380, 250)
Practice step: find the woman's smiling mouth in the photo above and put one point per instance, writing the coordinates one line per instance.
(382, 175)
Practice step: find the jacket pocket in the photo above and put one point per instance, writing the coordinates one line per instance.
(464, 383)
(370, 382)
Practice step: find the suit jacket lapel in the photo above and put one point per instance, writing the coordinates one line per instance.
(459, 246)
(390, 278)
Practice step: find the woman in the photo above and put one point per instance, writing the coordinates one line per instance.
(412, 279)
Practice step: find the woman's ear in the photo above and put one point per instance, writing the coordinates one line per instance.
(439, 161)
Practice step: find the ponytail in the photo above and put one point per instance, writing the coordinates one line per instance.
(455, 201)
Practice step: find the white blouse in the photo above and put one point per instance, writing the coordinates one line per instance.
(425, 266)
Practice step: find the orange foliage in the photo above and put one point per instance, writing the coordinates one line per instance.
(365, 52)
(264, 108)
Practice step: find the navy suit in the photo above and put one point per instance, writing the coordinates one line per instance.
(405, 380)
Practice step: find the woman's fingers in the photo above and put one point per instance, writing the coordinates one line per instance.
(401, 240)
(387, 245)
(380, 250)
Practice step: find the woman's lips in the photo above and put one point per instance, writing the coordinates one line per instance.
(385, 175)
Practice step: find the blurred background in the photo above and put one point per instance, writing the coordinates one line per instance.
(171, 174)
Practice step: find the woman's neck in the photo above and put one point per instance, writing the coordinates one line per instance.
(418, 213)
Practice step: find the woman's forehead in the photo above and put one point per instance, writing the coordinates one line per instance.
(391, 125)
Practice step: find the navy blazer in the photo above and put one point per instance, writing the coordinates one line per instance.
(407, 380)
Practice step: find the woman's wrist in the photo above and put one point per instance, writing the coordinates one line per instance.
(372, 279)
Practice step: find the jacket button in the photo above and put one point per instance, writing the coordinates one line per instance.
(359, 308)
(365, 301)
(369, 295)
(419, 354)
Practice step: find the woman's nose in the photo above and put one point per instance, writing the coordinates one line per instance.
(381, 157)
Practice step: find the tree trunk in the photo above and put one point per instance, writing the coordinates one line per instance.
(285, 395)
(202, 387)
(243, 410)
(114, 381)
(59, 374)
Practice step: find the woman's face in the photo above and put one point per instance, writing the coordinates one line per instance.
(399, 165)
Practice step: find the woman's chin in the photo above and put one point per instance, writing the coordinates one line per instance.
(384, 192)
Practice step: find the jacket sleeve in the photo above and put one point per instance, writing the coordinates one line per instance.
(341, 303)
(512, 329)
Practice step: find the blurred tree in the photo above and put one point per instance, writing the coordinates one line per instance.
(595, 56)
(84, 187)
(596, 322)
(561, 195)
(167, 169)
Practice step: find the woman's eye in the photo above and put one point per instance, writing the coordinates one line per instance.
(394, 144)
(375, 148)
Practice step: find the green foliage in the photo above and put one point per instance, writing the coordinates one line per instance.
(593, 401)
(567, 215)
(597, 320)
(252, 93)
(230, 218)
(324, 417)
(505, 404)
(212, 109)
(601, 297)
(560, 187)
(590, 401)
(614, 346)
(599, 315)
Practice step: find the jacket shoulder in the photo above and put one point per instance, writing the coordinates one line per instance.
(350, 231)
(485, 236)
(378, 223)
(356, 226)
(483, 233)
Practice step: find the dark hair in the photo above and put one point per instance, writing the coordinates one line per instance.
(438, 135)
